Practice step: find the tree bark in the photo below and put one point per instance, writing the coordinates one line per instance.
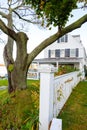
(18, 78)
(20, 66)
(17, 70)
(8, 51)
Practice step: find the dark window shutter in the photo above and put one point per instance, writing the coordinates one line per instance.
(77, 52)
(49, 53)
(57, 53)
(58, 41)
(67, 52)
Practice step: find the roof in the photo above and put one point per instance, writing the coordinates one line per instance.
(59, 60)
(2, 65)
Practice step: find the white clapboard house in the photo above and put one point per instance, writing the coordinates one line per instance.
(66, 50)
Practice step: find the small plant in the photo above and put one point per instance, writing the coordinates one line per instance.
(32, 120)
(11, 67)
(7, 101)
(79, 74)
(60, 94)
(63, 69)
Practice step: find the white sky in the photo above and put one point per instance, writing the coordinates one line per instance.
(36, 35)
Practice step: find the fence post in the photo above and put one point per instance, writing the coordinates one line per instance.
(46, 96)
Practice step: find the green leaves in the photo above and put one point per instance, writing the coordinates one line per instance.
(11, 67)
(54, 12)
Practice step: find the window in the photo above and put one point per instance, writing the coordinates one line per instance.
(66, 38)
(62, 53)
(52, 54)
(63, 39)
(67, 52)
(73, 53)
(57, 53)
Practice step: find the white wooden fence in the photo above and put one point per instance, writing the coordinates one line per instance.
(33, 74)
(54, 92)
(63, 86)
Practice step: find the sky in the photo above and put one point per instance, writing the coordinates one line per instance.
(37, 34)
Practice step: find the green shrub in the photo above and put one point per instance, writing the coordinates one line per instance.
(63, 69)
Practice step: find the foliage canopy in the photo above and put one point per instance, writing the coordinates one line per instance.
(55, 12)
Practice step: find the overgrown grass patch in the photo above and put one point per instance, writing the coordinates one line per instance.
(20, 109)
(74, 113)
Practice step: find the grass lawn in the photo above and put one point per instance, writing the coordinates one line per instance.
(3, 82)
(74, 113)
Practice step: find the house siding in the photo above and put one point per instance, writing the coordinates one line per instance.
(72, 43)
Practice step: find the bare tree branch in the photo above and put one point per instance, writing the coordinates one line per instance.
(17, 7)
(7, 30)
(3, 14)
(25, 19)
(15, 27)
(3, 8)
(14, 2)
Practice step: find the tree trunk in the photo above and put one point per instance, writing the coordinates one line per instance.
(17, 71)
(8, 50)
(18, 78)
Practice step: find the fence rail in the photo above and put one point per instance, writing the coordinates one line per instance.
(63, 86)
(33, 75)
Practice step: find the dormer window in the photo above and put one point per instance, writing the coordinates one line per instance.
(66, 38)
(63, 39)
